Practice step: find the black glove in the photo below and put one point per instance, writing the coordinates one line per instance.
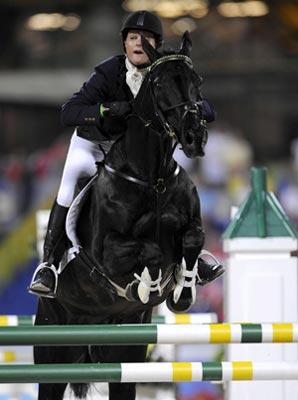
(115, 109)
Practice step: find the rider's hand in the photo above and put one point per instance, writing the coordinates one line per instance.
(115, 109)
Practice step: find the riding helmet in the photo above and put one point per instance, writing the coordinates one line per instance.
(145, 21)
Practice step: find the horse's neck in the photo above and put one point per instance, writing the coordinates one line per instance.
(143, 149)
(141, 152)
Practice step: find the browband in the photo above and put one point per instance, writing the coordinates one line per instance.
(170, 57)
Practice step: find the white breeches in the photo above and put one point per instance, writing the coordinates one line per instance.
(80, 162)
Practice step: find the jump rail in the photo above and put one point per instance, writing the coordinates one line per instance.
(133, 334)
(149, 372)
(199, 318)
(11, 356)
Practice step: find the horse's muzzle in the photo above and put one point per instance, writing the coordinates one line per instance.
(194, 141)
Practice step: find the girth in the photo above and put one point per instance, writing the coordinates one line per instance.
(114, 287)
(159, 187)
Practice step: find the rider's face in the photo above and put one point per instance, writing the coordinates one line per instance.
(134, 49)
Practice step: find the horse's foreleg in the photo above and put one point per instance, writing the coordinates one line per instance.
(184, 294)
(124, 254)
(120, 254)
(192, 244)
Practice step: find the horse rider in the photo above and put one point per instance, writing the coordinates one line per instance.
(98, 112)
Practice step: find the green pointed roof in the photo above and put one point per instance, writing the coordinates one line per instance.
(261, 214)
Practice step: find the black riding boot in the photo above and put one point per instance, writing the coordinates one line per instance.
(44, 280)
(208, 272)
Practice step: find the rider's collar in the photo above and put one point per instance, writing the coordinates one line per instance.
(134, 77)
(143, 68)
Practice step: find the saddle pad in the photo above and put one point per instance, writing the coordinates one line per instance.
(73, 215)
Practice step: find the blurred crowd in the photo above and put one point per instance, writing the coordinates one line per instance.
(250, 71)
(28, 180)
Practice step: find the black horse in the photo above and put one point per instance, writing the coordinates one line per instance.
(140, 227)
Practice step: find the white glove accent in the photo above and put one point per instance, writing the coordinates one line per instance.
(181, 274)
(147, 285)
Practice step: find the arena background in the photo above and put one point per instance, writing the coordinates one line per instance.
(247, 53)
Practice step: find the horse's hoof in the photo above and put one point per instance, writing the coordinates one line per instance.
(183, 304)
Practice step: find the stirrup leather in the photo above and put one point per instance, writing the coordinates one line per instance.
(52, 294)
(147, 285)
(181, 274)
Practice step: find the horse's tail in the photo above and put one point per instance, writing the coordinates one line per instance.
(81, 389)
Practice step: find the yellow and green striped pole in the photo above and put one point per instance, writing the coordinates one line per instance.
(149, 372)
(16, 320)
(195, 318)
(8, 356)
(12, 356)
(135, 334)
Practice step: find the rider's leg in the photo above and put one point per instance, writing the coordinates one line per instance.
(44, 280)
(80, 162)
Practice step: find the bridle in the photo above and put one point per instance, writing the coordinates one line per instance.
(189, 106)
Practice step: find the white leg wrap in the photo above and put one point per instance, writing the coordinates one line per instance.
(147, 285)
(181, 274)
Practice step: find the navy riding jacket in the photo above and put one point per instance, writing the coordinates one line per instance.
(106, 84)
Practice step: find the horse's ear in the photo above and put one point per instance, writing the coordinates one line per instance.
(151, 52)
(186, 44)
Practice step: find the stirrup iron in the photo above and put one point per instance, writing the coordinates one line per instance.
(50, 295)
(217, 263)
